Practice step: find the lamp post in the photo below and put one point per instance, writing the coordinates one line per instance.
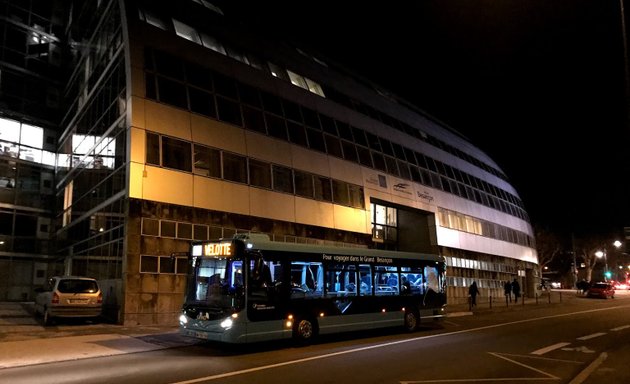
(617, 244)
(599, 255)
(602, 253)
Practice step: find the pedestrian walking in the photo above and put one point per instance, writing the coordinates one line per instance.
(507, 288)
(516, 289)
(473, 291)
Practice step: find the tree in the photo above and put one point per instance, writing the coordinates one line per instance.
(586, 248)
(548, 246)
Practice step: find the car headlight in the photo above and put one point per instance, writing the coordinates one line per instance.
(183, 319)
(227, 323)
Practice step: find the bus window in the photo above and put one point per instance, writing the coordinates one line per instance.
(341, 280)
(413, 277)
(307, 278)
(365, 278)
(432, 279)
(209, 275)
(386, 278)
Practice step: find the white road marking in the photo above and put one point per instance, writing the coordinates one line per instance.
(264, 367)
(550, 348)
(579, 349)
(620, 328)
(590, 369)
(592, 336)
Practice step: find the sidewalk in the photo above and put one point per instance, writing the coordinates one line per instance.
(499, 304)
(25, 341)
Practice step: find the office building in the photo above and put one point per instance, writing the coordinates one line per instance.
(131, 128)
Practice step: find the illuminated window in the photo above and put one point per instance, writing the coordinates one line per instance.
(314, 87)
(384, 223)
(151, 19)
(212, 43)
(297, 80)
(186, 31)
(278, 72)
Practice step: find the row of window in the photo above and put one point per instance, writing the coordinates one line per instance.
(465, 223)
(192, 34)
(25, 142)
(211, 162)
(231, 101)
(179, 230)
(454, 281)
(314, 279)
(479, 265)
(210, 42)
(20, 146)
(163, 265)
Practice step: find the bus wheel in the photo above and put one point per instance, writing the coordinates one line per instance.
(412, 321)
(305, 330)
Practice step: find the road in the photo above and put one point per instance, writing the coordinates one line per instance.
(581, 341)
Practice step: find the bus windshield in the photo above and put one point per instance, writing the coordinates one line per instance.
(216, 282)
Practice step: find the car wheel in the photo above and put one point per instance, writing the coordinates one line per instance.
(48, 320)
(411, 321)
(305, 330)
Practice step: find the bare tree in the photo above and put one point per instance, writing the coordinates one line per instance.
(548, 246)
(586, 249)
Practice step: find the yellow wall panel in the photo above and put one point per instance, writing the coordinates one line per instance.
(350, 219)
(273, 205)
(265, 148)
(170, 121)
(314, 212)
(137, 112)
(167, 186)
(137, 145)
(310, 161)
(217, 134)
(220, 195)
(345, 170)
(135, 180)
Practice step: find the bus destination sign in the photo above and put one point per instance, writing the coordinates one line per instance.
(217, 249)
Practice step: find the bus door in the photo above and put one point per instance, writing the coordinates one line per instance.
(266, 299)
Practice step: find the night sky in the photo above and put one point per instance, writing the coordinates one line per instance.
(538, 85)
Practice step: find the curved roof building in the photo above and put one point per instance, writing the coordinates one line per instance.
(178, 124)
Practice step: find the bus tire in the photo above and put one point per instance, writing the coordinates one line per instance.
(412, 320)
(305, 330)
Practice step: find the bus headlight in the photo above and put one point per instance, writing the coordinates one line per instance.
(227, 323)
(183, 319)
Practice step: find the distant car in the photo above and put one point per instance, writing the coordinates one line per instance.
(602, 290)
(621, 285)
(69, 297)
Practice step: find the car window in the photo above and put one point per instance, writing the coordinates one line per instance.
(77, 286)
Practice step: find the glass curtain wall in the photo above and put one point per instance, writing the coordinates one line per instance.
(90, 190)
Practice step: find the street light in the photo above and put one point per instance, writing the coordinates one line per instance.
(600, 254)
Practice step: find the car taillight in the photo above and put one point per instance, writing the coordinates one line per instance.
(55, 298)
(99, 299)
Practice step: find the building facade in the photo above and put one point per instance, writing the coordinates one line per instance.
(175, 123)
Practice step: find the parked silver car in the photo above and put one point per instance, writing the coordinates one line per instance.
(69, 296)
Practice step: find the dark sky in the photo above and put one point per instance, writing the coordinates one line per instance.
(538, 85)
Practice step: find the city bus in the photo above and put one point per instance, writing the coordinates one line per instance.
(249, 289)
